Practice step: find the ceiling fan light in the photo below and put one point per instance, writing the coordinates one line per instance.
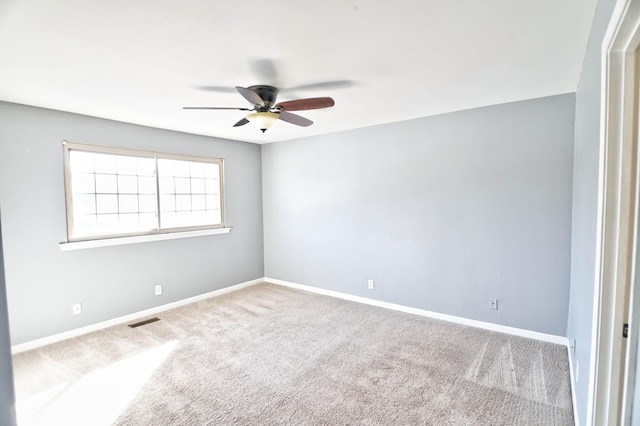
(264, 120)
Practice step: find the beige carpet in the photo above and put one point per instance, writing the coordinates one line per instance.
(270, 355)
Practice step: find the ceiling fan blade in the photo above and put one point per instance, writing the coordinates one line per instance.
(305, 104)
(207, 107)
(336, 84)
(295, 119)
(241, 122)
(265, 71)
(219, 89)
(250, 95)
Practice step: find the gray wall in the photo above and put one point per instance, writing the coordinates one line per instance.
(585, 197)
(442, 212)
(43, 282)
(7, 395)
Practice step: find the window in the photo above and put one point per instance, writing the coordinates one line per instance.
(116, 192)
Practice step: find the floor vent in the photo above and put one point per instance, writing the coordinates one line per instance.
(145, 322)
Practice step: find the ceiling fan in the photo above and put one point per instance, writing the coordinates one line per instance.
(266, 111)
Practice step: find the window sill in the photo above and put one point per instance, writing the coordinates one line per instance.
(79, 245)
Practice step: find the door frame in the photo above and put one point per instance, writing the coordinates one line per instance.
(616, 223)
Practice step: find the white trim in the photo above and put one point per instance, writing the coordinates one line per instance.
(616, 210)
(560, 340)
(22, 347)
(79, 245)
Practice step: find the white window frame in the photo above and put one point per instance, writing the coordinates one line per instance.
(115, 238)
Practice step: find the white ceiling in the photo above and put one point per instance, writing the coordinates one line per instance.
(140, 61)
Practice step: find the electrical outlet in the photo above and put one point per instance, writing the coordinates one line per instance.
(493, 304)
(76, 309)
(158, 289)
(370, 284)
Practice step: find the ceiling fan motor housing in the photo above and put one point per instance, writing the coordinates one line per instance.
(268, 95)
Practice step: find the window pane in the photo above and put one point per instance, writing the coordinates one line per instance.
(146, 185)
(146, 166)
(183, 185)
(198, 202)
(183, 202)
(168, 203)
(128, 221)
(128, 203)
(183, 219)
(106, 184)
(84, 204)
(127, 165)
(211, 171)
(197, 186)
(213, 186)
(213, 216)
(181, 168)
(197, 169)
(165, 167)
(148, 221)
(127, 184)
(198, 218)
(81, 162)
(107, 204)
(85, 224)
(84, 183)
(107, 223)
(167, 185)
(105, 163)
(168, 220)
(213, 202)
(147, 203)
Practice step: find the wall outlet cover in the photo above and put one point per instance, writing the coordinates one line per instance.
(76, 309)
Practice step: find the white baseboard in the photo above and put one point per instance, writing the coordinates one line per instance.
(422, 312)
(560, 340)
(33, 344)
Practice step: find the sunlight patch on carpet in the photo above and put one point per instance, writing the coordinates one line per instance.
(96, 398)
